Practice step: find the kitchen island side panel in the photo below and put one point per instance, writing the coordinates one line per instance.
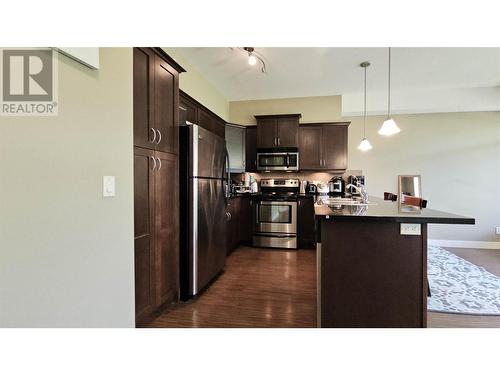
(371, 275)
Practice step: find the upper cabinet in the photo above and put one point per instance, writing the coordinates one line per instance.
(200, 115)
(278, 131)
(156, 99)
(235, 143)
(323, 147)
(251, 149)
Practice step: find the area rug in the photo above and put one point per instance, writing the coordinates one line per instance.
(460, 287)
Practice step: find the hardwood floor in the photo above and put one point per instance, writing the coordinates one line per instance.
(274, 288)
(260, 288)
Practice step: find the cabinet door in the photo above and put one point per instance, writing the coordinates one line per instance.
(306, 222)
(310, 147)
(166, 106)
(144, 233)
(266, 133)
(143, 97)
(251, 149)
(335, 147)
(245, 216)
(235, 143)
(191, 108)
(167, 228)
(205, 119)
(219, 127)
(287, 132)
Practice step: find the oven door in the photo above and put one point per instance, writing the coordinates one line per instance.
(276, 217)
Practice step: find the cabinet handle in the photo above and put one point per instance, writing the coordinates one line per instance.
(154, 135)
(279, 141)
(159, 163)
(159, 137)
(154, 162)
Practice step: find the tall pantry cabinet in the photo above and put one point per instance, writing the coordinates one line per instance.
(156, 181)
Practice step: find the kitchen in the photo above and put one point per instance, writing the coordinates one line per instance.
(288, 186)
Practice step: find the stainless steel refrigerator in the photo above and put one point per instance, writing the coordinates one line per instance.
(204, 192)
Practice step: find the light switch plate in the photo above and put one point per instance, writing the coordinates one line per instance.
(108, 186)
(411, 229)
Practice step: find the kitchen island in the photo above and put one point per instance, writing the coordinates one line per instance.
(372, 263)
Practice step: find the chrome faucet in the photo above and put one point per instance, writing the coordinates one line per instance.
(361, 190)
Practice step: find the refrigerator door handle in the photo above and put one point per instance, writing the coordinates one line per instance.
(227, 192)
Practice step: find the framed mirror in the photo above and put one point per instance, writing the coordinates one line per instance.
(409, 186)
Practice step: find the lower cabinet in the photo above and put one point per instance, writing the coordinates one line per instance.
(233, 224)
(156, 231)
(239, 224)
(306, 223)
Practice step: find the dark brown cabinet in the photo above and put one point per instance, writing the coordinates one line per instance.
(156, 102)
(278, 131)
(191, 107)
(246, 219)
(156, 228)
(199, 115)
(156, 212)
(251, 149)
(239, 224)
(166, 96)
(233, 224)
(306, 223)
(323, 146)
(144, 66)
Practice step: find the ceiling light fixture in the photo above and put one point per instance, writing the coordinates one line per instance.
(254, 58)
(389, 127)
(365, 144)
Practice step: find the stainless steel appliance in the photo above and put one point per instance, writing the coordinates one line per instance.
(356, 181)
(311, 188)
(278, 159)
(275, 214)
(337, 186)
(204, 192)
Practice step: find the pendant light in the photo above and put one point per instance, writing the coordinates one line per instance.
(365, 144)
(389, 127)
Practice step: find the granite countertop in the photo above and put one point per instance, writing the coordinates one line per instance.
(387, 211)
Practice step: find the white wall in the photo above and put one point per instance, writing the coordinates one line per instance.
(458, 156)
(66, 253)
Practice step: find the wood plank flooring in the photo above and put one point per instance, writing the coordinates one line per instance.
(260, 288)
(275, 288)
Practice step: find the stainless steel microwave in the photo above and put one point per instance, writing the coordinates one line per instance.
(278, 160)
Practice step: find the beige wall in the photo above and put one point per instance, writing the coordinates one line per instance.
(197, 86)
(66, 253)
(313, 109)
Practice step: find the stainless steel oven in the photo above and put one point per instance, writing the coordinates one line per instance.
(275, 224)
(278, 159)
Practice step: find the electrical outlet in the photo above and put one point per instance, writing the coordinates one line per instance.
(411, 229)
(497, 230)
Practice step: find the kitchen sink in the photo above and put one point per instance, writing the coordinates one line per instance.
(342, 202)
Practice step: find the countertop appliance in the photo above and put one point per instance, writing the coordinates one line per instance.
(356, 181)
(337, 186)
(275, 214)
(311, 188)
(204, 193)
(278, 159)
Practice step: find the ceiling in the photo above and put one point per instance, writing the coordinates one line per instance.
(298, 72)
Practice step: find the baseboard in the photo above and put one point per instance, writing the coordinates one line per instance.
(491, 245)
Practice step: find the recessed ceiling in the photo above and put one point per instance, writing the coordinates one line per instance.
(298, 72)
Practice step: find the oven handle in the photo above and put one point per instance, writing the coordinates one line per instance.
(275, 235)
